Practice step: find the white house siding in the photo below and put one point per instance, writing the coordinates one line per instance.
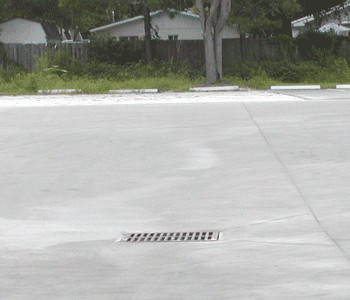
(22, 31)
(230, 32)
(186, 28)
(183, 25)
(342, 19)
(131, 29)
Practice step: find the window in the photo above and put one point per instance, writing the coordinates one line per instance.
(128, 38)
(173, 37)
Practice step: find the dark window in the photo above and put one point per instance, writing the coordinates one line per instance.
(127, 38)
(173, 37)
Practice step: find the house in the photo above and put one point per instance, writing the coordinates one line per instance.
(338, 15)
(72, 36)
(337, 29)
(22, 31)
(173, 25)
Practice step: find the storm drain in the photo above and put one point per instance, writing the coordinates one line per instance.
(192, 236)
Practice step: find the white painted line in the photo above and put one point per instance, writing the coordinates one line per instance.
(342, 86)
(134, 91)
(66, 91)
(295, 87)
(215, 88)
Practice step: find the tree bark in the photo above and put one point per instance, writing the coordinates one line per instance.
(222, 16)
(147, 22)
(211, 74)
(218, 54)
(213, 19)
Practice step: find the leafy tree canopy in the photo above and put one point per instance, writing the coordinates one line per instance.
(270, 17)
(68, 14)
(263, 17)
(30, 9)
(311, 7)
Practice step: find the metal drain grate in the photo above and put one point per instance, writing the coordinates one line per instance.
(193, 236)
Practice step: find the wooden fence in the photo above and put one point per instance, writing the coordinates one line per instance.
(193, 53)
(27, 54)
(190, 51)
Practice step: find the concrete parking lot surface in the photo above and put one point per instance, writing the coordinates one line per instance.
(269, 171)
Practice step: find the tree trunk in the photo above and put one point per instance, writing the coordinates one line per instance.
(147, 22)
(213, 19)
(218, 54)
(207, 23)
(222, 16)
(211, 74)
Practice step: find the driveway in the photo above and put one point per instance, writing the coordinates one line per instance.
(269, 171)
(316, 95)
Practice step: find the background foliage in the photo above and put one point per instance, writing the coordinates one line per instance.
(106, 49)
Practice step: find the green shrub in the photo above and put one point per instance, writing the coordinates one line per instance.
(317, 46)
(107, 49)
(284, 71)
(286, 47)
(159, 69)
(59, 63)
(30, 83)
(241, 69)
(291, 72)
(154, 69)
(260, 81)
(13, 69)
(334, 70)
(97, 70)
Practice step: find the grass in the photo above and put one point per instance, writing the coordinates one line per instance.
(31, 83)
(162, 76)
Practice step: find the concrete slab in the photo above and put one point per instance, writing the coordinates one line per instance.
(316, 95)
(133, 91)
(342, 86)
(272, 176)
(214, 88)
(60, 91)
(139, 98)
(295, 87)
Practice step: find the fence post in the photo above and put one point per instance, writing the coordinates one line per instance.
(241, 41)
(2, 57)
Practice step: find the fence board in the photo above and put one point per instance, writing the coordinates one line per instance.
(26, 54)
(190, 51)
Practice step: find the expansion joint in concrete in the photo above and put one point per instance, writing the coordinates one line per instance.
(294, 183)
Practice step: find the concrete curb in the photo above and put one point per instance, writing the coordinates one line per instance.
(66, 91)
(342, 86)
(133, 91)
(214, 89)
(295, 87)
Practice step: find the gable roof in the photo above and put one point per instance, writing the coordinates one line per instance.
(307, 19)
(333, 27)
(50, 29)
(153, 14)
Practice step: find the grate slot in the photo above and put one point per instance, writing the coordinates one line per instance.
(200, 236)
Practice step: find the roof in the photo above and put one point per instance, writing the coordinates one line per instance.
(115, 24)
(304, 20)
(50, 29)
(333, 27)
